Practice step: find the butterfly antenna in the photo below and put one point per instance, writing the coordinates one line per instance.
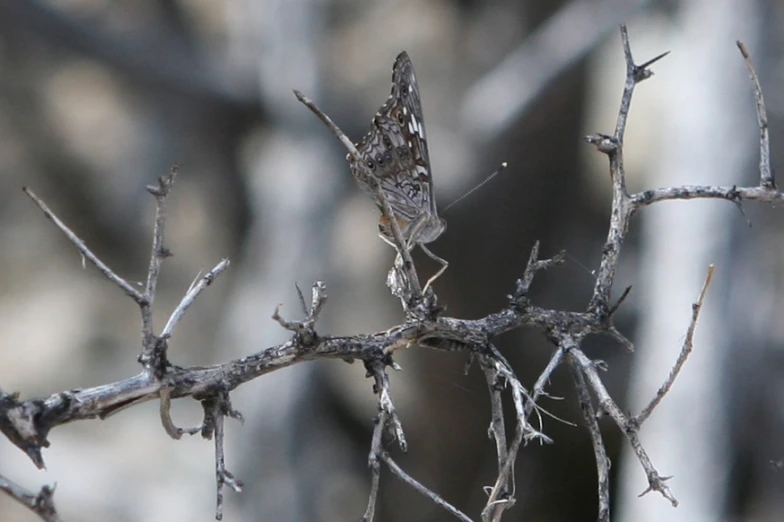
(461, 198)
(577, 262)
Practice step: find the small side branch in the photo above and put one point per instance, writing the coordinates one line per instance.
(216, 408)
(193, 292)
(154, 347)
(386, 421)
(688, 344)
(305, 330)
(734, 194)
(533, 266)
(766, 174)
(411, 481)
(41, 503)
(159, 252)
(627, 426)
(599, 451)
(499, 375)
(166, 420)
(87, 254)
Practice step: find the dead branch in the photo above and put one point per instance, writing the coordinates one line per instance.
(27, 423)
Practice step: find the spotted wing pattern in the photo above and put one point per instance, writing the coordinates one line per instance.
(395, 152)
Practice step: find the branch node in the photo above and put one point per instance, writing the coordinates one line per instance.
(603, 143)
(304, 331)
(165, 182)
(519, 300)
(641, 72)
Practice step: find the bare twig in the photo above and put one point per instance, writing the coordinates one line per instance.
(386, 421)
(497, 429)
(41, 503)
(387, 414)
(168, 423)
(766, 174)
(733, 194)
(159, 252)
(564, 343)
(126, 287)
(627, 426)
(411, 481)
(688, 344)
(154, 347)
(599, 451)
(533, 266)
(375, 480)
(501, 493)
(192, 294)
(500, 375)
(215, 410)
(305, 330)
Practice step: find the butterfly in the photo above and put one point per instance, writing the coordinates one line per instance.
(395, 154)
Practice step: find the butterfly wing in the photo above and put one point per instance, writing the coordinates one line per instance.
(405, 91)
(396, 153)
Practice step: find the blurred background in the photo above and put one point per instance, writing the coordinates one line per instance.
(98, 98)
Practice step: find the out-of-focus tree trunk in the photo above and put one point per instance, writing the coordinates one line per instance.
(707, 136)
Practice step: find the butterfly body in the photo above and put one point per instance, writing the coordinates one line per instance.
(395, 153)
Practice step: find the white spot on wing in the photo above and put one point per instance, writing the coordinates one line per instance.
(419, 129)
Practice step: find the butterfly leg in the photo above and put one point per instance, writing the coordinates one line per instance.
(444, 264)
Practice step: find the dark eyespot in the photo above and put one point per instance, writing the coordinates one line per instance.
(404, 89)
(400, 117)
(379, 159)
(387, 142)
(371, 165)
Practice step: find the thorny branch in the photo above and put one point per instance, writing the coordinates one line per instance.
(27, 423)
